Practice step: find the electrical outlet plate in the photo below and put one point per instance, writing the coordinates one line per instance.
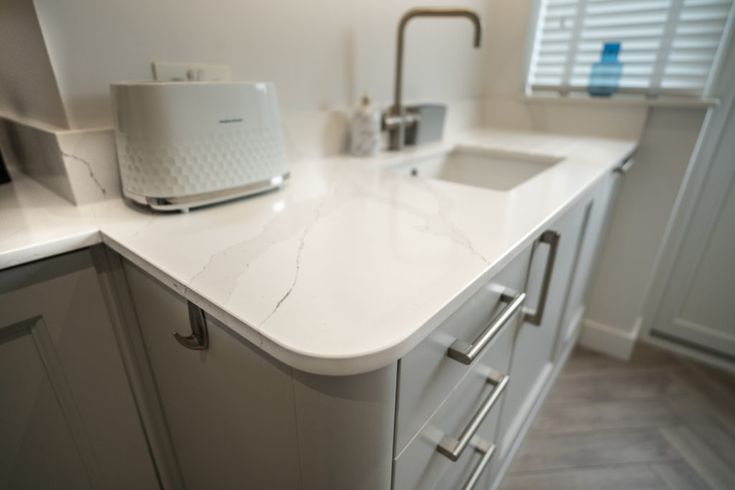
(167, 71)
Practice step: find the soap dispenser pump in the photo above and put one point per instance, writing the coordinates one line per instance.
(365, 129)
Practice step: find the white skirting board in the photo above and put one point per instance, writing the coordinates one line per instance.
(609, 340)
(690, 352)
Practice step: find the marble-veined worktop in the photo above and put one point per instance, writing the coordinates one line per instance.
(345, 269)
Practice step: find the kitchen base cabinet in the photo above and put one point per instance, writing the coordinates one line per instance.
(533, 353)
(449, 414)
(541, 350)
(67, 414)
(238, 418)
(600, 210)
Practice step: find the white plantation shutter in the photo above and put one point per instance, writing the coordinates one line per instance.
(666, 46)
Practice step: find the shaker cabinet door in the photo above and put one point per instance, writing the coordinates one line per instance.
(591, 240)
(67, 416)
(548, 284)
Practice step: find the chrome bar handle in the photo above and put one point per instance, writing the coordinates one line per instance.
(465, 352)
(551, 238)
(625, 166)
(452, 447)
(487, 450)
(199, 337)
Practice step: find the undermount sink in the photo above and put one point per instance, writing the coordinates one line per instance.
(481, 167)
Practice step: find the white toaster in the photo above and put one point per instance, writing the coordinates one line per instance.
(187, 144)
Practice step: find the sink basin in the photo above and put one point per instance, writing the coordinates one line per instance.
(480, 167)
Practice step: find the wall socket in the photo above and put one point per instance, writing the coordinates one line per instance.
(167, 71)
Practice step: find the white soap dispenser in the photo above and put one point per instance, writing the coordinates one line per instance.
(365, 130)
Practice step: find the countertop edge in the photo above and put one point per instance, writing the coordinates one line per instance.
(342, 365)
(368, 362)
(47, 249)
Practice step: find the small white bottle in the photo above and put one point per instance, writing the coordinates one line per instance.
(365, 130)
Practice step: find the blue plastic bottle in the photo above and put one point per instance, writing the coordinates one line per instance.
(605, 75)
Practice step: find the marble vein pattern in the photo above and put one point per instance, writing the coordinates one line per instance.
(346, 268)
(90, 170)
(91, 164)
(78, 165)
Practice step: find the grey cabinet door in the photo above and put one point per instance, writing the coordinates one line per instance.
(591, 239)
(229, 409)
(533, 354)
(67, 415)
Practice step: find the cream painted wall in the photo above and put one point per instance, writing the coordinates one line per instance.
(322, 54)
(27, 85)
(643, 208)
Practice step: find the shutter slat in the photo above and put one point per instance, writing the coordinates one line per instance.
(697, 3)
(652, 19)
(628, 58)
(621, 34)
(682, 83)
(632, 7)
(695, 43)
(628, 71)
(718, 14)
(691, 56)
(699, 29)
(634, 45)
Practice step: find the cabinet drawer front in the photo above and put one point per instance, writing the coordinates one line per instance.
(473, 471)
(421, 465)
(428, 374)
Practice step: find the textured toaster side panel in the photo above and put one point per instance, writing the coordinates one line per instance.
(186, 166)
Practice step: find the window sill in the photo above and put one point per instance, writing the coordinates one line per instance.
(619, 100)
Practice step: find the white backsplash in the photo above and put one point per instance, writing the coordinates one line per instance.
(324, 133)
(78, 165)
(81, 165)
(90, 160)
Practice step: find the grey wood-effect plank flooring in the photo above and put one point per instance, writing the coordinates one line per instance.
(658, 422)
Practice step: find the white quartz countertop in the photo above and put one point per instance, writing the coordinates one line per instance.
(345, 269)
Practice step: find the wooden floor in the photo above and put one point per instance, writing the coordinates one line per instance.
(657, 422)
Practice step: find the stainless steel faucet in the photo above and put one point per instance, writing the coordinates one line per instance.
(395, 119)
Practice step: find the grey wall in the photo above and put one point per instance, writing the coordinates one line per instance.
(28, 88)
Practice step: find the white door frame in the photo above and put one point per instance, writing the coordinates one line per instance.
(713, 129)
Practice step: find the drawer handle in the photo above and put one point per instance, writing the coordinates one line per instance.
(453, 448)
(199, 337)
(625, 166)
(550, 238)
(487, 452)
(466, 353)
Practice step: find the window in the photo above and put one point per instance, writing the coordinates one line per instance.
(666, 46)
